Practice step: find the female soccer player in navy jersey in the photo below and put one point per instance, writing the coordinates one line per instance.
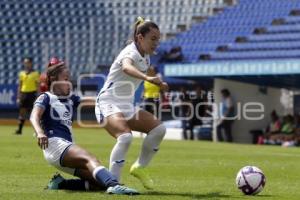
(115, 109)
(52, 121)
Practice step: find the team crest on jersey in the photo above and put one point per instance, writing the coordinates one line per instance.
(66, 115)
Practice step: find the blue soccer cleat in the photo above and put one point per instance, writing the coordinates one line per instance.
(120, 189)
(54, 182)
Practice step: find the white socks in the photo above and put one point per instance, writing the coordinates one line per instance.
(151, 145)
(118, 153)
(149, 148)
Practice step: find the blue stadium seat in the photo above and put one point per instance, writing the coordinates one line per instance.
(264, 46)
(283, 28)
(38, 27)
(274, 37)
(292, 20)
(236, 21)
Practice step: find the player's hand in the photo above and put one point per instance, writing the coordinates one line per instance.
(42, 140)
(154, 79)
(164, 86)
(18, 101)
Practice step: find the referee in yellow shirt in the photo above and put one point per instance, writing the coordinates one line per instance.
(27, 91)
(151, 94)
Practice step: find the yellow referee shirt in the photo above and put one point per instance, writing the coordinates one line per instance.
(29, 81)
(151, 90)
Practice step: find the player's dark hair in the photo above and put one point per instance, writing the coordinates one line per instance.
(143, 27)
(53, 72)
(28, 58)
(225, 92)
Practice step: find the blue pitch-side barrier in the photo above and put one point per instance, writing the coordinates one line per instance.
(8, 96)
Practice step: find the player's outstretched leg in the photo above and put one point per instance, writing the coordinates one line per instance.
(54, 183)
(78, 158)
(58, 182)
(121, 189)
(146, 123)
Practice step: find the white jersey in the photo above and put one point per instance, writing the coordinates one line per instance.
(119, 85)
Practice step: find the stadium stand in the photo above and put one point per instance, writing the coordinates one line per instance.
(264, 34)
(85, 33)
(276, 40)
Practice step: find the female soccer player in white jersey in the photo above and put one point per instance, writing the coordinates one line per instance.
(115, 109)
(51, 118)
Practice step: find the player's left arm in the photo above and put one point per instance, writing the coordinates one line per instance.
(19, 88)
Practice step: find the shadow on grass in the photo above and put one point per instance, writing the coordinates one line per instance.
(212, 195)
(191, 195)
(263, 196)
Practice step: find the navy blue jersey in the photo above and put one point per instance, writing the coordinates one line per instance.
(58, 115)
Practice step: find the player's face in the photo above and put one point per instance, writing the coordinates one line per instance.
(28, 64)
(150, 41)
(64, 84)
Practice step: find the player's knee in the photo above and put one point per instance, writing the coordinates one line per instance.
(92, 161)
(125, 138)
(159, 130)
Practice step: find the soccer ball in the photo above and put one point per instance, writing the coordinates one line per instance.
(250, 180)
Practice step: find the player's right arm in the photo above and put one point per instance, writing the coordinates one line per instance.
(129, 68)
(35, 118)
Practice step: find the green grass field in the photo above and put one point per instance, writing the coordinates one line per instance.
(181, 170)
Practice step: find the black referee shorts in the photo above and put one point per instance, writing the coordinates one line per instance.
(27, 99)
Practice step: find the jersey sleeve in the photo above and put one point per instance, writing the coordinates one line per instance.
(133, 55)
(76, 100)
(42, 101)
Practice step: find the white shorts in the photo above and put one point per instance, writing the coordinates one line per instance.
(57, 147)
(105, 108)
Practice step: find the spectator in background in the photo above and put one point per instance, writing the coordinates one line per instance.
(184, 112)
(286, 132)
(196, 113)
(27, 91)
(297, 124)
(175, 55)
(227, 113)
(199, 110)
(260, 136)
(274, 126)
(297, 129)
(151, 93)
